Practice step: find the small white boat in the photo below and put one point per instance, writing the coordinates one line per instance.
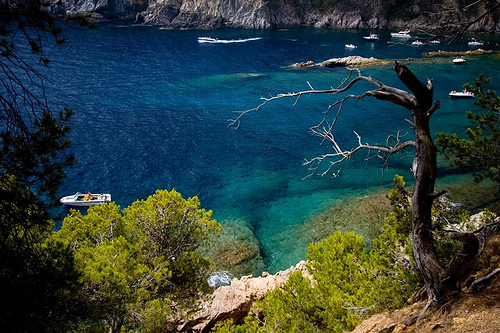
(207, 40)
(85, 200)
(212, 40)
(435, 41)
(417, 43)
(372, 37)
(401, 34)
(350, 46)
(459, 60)
(474, 42)
(462, 94)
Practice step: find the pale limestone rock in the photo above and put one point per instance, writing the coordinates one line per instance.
(399, 328)
(235, 301)
(352, 61)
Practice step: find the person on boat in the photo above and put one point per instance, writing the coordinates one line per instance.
(87, 196)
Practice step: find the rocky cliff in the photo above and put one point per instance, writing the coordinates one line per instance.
(235, 300)
(270, 14)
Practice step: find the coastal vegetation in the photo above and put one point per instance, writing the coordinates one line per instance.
(37, 275)
(140, 268)
(350, 279)
(103, 270)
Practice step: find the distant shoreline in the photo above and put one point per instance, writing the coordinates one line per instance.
(358, 61)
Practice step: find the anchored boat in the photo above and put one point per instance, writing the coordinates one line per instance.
(85, 200)
(462, 94)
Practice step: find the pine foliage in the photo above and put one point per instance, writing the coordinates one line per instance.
(140, 268)
(349, 281)
(479, 151)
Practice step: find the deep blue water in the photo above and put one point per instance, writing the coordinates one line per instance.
(152, 108)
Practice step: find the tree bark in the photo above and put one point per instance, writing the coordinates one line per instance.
(424, 251)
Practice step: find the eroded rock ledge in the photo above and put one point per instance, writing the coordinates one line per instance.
(234, 301)
(357, 61)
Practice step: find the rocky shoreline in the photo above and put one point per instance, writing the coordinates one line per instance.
(358, 61)
(259, 14)
(235, 300)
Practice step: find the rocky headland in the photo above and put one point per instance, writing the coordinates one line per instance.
(475, 310)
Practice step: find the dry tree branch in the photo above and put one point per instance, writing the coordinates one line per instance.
(384, 92)
(324, 128)
(339, 155)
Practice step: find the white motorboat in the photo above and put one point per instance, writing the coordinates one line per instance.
(462, 94)
(459, 60)
(207, 40)
(85, 200)
(474, 42)
(350, 46)
(372, 37)
(212, 40)
(401, 34)
(417, 43)
(435, 41)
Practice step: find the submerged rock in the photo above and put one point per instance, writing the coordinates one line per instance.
(236, 249)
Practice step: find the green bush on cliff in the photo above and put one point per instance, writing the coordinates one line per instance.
(348, 280)
(140, 268)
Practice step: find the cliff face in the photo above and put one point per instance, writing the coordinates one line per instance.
(268, 14)
(124, 10)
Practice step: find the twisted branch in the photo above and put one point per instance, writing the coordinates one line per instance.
(324, 128)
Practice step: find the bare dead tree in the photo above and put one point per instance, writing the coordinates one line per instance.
(421, 106)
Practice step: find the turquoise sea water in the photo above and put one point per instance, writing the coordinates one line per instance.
(152, 108)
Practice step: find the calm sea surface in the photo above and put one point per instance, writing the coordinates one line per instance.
(152, 108)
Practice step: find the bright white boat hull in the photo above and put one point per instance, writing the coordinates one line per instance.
(462, 95)
(401, 34)
(77, 200)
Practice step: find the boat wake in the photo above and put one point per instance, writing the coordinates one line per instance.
(225, 41)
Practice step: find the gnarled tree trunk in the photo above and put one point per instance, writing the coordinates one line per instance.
(424, 251)
(438, 278)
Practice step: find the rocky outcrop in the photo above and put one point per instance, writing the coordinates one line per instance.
(234, 301)
(262, 14)
(353, 61)
(356, 61)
